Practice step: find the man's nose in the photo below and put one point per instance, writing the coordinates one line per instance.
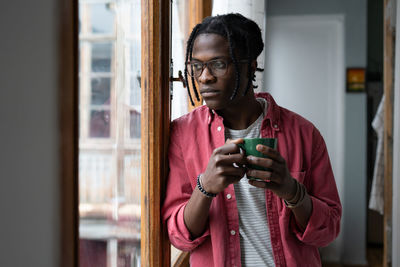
(206, 76)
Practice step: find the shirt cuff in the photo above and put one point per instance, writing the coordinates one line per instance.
(321, 228)
(179, 234)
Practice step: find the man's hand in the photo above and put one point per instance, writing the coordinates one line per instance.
(221, 171)
(278, 179)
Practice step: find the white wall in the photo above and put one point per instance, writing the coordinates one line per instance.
(29, 189)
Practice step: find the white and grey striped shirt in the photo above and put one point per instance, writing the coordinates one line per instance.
(255, 241)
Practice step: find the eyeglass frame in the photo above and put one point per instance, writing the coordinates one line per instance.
(205, 65)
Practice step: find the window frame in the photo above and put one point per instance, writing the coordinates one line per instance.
(155, 123)
(155, 70)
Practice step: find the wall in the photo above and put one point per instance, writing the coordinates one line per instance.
(29, 189)
(356, 21)
(354, 190)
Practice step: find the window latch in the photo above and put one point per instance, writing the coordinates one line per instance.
(178, 79)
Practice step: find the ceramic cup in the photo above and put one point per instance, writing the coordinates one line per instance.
(249, 146)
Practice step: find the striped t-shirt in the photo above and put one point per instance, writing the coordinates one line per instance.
(255, 241)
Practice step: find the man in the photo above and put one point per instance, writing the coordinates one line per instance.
(211, 208)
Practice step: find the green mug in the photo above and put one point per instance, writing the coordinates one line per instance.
(249, 146)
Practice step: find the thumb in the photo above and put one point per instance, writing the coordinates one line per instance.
(234, 141)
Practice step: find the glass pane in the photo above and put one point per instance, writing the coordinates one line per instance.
(134, 124)
(135, 96)
(110, 115)
(101, 57)
(128, 253)
(96, 251)
(100, 123)
(102, 18)
(180, 34)
(101, 88)
(135, 79)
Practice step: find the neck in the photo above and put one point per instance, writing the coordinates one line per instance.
(241, 114)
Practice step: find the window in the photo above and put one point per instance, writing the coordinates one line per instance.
(110, 132)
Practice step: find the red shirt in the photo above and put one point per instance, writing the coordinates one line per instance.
(194, 137)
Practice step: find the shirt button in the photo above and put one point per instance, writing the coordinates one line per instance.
(275, 125)
(219, 128)
(233, 232)
(228, 196)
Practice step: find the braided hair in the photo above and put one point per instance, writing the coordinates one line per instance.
(243, 35)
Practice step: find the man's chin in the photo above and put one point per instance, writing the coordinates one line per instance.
(214, 105)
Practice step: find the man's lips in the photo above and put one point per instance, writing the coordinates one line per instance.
(209, 92)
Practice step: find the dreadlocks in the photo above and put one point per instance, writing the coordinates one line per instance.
(243, 36)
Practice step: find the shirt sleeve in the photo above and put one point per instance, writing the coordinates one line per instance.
(324, 223)
(178, 193)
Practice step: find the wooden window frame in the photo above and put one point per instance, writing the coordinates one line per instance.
(156, 21)
(155, 123)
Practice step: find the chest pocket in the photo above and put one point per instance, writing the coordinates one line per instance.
(299, 176)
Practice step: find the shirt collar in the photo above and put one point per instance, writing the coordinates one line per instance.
(273, 112)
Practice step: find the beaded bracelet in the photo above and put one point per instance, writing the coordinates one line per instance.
(200, 187)
(299, 202)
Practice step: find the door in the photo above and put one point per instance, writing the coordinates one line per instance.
(305, 73)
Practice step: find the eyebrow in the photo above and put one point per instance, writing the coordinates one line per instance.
(214, 58)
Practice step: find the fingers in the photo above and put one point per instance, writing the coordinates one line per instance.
(234, 179)
(264, 162)
(227, 149)
(271, 153)
(265, 185)
(263, 175)
(234, 141)
(229, 160)
(231, 171)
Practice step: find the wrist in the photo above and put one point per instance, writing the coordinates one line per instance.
(298, 200)
(294, 194)
(202, 189)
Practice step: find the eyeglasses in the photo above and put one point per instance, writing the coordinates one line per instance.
(217, 67)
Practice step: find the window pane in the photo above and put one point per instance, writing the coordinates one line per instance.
(135, 96)
(100, 123)
(96, 251)
(180, 32)
(179, 103)
(100, 91)
(128, 253)
(110, 115)
(102, 18)
(134, 124)
(101, 57)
